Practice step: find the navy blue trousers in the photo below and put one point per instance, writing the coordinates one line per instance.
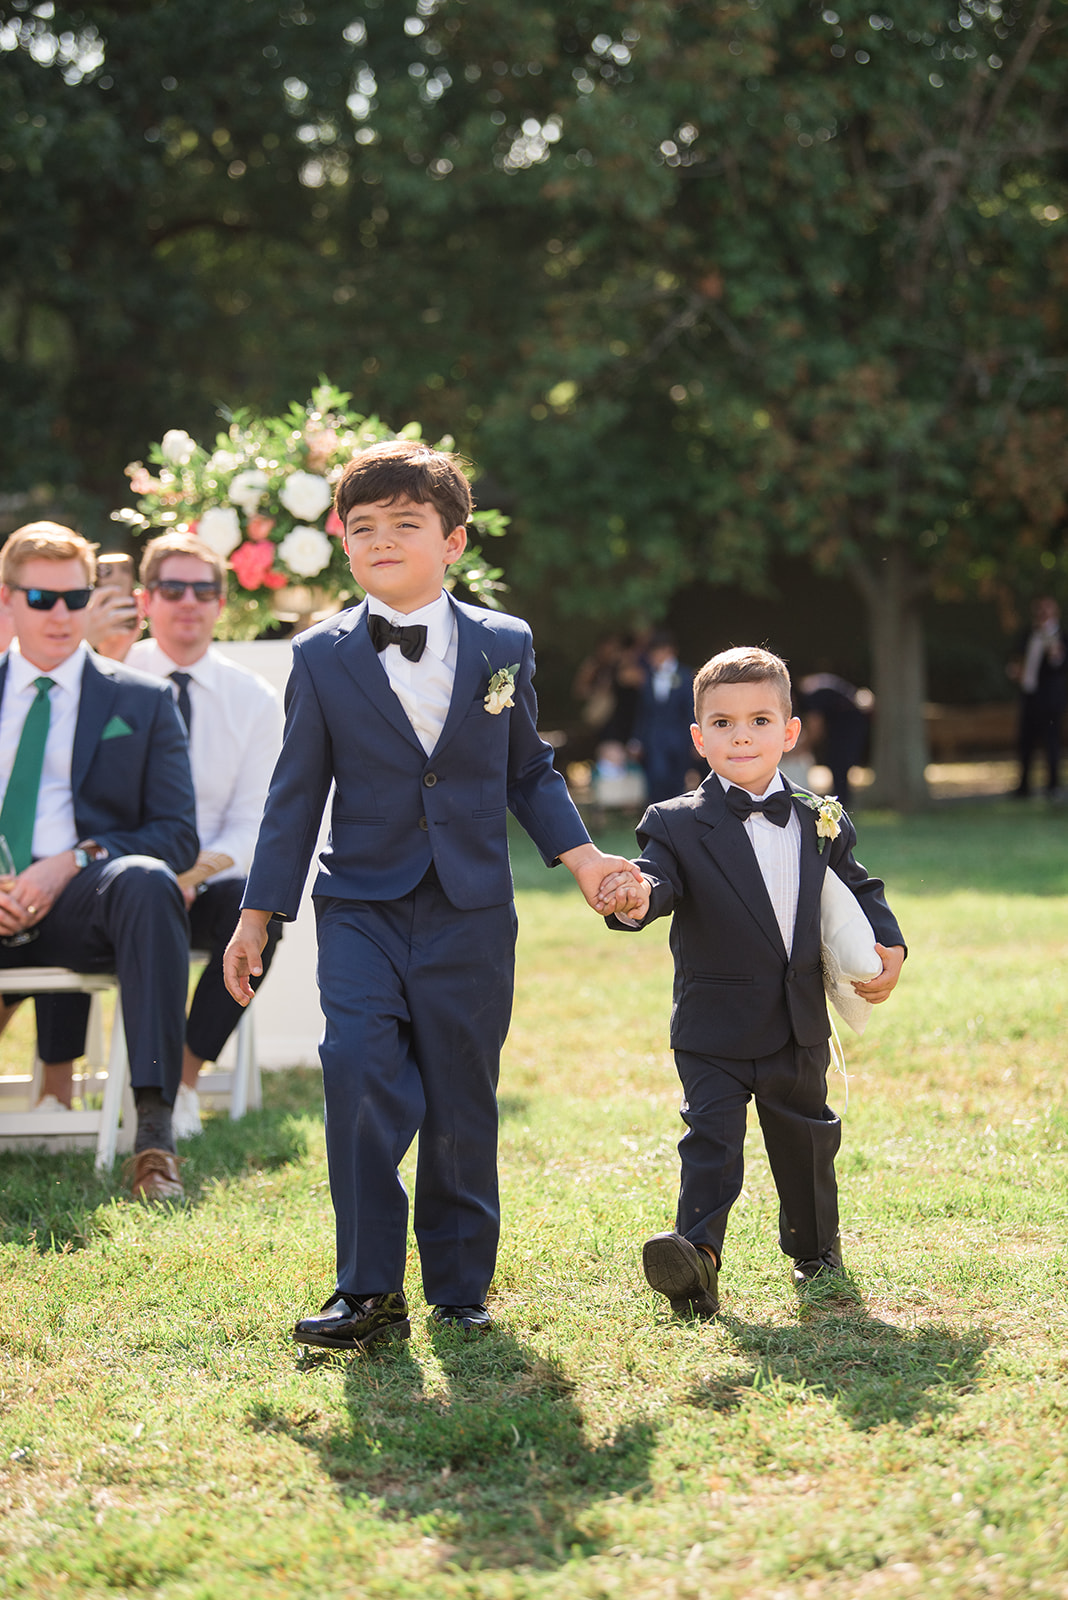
(124, 916)
(417, 998)
(801, 1135)
(213, 1013)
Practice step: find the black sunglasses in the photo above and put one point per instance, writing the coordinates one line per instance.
(174, 589)
(45, 599)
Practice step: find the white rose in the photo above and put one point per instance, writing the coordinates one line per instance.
(305, 551)
(306, 495)
(177, 447)
(499, 700)
(248, 488)
(220, 529)
(222, 461)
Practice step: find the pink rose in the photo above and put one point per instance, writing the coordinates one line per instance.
(260, 527)
(334, 524)
(252, 561)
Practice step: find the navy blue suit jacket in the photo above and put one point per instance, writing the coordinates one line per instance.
(395, 809)
(130, 779)
(737, 992)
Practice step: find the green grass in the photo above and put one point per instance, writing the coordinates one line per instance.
(161, 1435)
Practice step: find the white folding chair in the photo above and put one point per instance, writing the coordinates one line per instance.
(110, 1129)
(239, 1084)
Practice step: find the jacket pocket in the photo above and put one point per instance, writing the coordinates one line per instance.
(719, 977)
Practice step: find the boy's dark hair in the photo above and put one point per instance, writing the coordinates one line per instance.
(747, 663)
(403, 468)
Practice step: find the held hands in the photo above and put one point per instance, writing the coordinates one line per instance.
(592, 869)
(620, 896)
(881, 987)
(241, 958)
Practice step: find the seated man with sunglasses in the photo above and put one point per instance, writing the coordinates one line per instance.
(234, 722)
(98, 815)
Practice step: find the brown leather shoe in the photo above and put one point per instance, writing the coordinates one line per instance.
(153, 1175)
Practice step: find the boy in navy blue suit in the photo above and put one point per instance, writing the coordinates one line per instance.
(740, 862)
(421, 711)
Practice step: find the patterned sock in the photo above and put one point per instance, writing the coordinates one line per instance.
(154, 1131)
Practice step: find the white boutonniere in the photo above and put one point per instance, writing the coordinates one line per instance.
(501, 688)
(828, 814)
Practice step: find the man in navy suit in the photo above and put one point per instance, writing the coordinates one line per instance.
(421, 711)
(662, 726)
(98, 812)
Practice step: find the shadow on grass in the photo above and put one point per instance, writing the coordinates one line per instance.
(872, 1372)
(490, 1455)
(49, 1202)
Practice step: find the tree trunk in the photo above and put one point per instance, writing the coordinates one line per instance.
(892, 589)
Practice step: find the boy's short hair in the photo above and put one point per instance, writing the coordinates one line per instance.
(45, 541)
(157, 550)
(748, 663)
(404, 468)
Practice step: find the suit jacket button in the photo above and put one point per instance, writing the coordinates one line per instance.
(424, 824)
(430, 779)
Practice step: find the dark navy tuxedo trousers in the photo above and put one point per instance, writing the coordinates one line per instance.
(417, 997)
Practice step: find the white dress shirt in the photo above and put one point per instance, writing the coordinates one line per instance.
(423, 687)
(778, 853)
(233, 745)
(54, 829)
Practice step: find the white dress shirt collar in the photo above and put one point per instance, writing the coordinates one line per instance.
(151, 657)
(437, 618)
(68, 675)
(778, 782)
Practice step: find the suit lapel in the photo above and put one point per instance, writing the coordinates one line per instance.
(361, 661)
(471, 669)
(724, 837)
(94, 708)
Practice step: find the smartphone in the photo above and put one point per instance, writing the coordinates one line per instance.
(116, 571)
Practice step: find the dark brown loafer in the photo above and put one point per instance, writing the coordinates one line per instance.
(687, 1276)
(153, 1175)
(348, 1322)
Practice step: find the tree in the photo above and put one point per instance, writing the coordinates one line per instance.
(694, 283)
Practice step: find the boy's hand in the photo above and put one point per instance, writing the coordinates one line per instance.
(241, 958)
(619, 895)
(881, 987)
(591, 867)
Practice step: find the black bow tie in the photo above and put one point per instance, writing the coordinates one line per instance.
(777, 807)
(412, 641)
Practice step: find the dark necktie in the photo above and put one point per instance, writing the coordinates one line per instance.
(185, 705)
(412, 641)
(19, 812)
(777, 807)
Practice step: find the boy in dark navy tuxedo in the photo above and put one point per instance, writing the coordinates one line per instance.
(421, 711)
(740, 862)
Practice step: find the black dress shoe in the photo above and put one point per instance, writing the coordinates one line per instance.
(465, 1319)
(827, 1267)
(348, 1322)
(688, 1276)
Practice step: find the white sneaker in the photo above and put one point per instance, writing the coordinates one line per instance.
(49, 1102)
(185, 1119)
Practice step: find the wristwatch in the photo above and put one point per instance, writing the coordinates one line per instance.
(88, 851)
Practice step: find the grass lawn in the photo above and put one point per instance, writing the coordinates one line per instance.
(161, 1435)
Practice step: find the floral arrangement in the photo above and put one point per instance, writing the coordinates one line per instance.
(262, 498)
(829, 813)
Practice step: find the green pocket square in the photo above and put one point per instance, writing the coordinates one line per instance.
(115, 729)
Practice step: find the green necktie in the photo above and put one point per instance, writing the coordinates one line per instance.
(19, 811)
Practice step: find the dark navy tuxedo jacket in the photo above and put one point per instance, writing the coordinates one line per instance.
(130, 778)
(396, 809)
(737, 993)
